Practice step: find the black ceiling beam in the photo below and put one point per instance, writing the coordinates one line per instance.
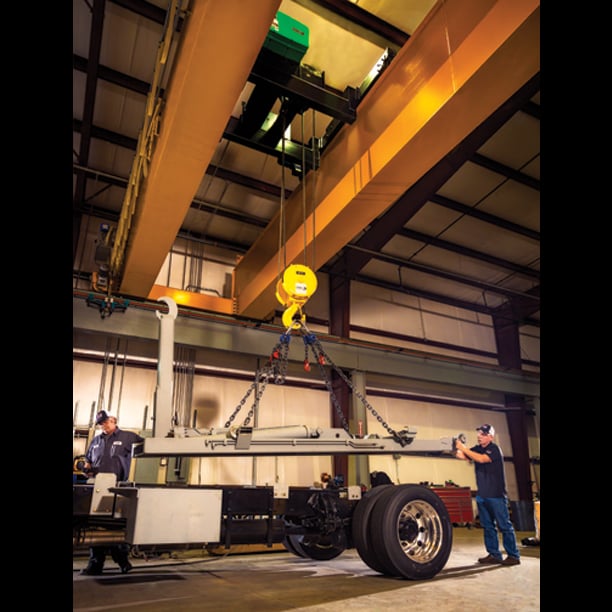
(220, 211)
(510, 173)
(532, 109)
(247, 181)
(201, 205)
(388, 224)
(206, 207)
(106, 135)
(91, 83)
(95, 43)
(473, 254)
(112, 216)
(422, 341)
(144, 9)
(486, 217)
(452, 276)
(216, 171)
(206, 239)
(113, 76)
(90, 173)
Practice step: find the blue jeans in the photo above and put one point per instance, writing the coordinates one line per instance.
(494, 515)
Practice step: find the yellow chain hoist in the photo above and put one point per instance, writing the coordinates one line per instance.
(293, 289)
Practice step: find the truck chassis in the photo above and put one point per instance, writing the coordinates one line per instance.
(398, 530)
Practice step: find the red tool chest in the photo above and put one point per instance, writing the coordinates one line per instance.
(458, 502)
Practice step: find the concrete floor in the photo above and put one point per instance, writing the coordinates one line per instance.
(278, 580)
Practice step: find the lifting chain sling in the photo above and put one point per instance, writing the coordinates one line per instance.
(294, 287)
(276, 369)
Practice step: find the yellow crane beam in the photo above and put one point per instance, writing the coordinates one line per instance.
(218, 48)
(462, 63)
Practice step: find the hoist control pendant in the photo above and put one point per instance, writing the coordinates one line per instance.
(293, 289)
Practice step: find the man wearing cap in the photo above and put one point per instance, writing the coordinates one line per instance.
(491, 497)
(109, 451)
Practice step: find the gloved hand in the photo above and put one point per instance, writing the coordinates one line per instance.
(81, 465)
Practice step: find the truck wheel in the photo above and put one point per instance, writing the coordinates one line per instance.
(317, 547)
(410, 532)
(292, 544)
(360, 525)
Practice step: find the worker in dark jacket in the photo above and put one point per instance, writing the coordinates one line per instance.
(110, 451)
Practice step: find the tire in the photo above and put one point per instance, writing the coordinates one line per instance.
(317, 547)
(360, 526)
(292, 544)
(410, 532)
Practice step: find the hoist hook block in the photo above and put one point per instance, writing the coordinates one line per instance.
(293, 289)
(296, 285)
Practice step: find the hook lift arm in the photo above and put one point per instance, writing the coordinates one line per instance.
(244, 440)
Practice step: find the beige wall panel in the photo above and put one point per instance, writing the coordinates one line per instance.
(129, 397)
(401, 314)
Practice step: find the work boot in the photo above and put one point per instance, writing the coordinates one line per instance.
(490, 560)
(92, 569)
(511, 561)
(120, 556)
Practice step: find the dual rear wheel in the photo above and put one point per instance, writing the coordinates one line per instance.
(403, 531)
(398, 530)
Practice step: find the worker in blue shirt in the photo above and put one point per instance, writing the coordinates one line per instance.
(109, 451)
(491, 496)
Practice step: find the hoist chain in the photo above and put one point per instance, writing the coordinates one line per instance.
(260, 382)
(276, 369)
(311, 341)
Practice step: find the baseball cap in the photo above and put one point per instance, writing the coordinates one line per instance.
(486, 429)
(101, 417)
